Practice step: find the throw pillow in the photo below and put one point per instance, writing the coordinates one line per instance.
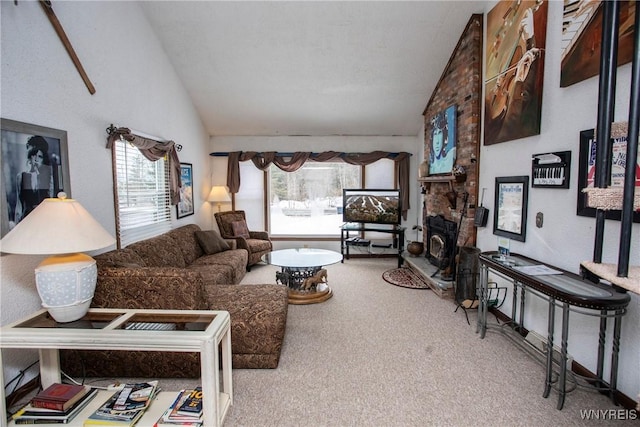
(211, 242)
(240, 229)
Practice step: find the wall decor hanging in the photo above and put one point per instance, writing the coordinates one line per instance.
(510, 210)
(514, 64)
(185, 205)
(442, 150)
(582, 39)
(35, 166)
(551, 170)
(587, 169)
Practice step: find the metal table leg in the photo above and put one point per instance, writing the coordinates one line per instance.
(613, 382)
(550, 328)
(601, 342)
(562, 380)
(482, 308)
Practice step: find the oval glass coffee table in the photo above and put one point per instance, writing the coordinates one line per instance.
(302, 272)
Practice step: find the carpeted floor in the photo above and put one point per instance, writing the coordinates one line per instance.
(404, 277)
(380, 355)
(384, 355)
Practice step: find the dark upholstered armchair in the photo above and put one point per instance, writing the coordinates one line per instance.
(233, 225)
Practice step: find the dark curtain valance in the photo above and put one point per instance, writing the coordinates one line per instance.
(152, 150)
(293, 162)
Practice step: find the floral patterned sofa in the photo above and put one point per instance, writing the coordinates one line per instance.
(171, 271)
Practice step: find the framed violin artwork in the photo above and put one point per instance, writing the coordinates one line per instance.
(514, 64)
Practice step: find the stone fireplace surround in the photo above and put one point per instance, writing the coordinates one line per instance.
(460, 84)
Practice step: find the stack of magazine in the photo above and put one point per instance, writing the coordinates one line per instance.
(125, 407)
(186, 410)
(33, 414)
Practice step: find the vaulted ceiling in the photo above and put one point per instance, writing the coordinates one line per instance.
(310, 68)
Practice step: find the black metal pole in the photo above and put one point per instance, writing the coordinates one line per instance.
(606, 103)
(632, 155)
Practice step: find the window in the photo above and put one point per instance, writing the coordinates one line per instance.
(142, 195)
(251, 197)
(308, 202)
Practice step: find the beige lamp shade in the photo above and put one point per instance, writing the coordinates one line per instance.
(61, 227)
(219, 194)
(56, 226)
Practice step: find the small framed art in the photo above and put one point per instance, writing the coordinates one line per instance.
(551, 170)
(510, 211)
(185, 205)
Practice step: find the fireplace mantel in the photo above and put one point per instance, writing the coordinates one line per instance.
(449, 179)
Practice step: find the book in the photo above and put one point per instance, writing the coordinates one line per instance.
(125, 407)
(134, 396)
(59, 396)
(33, 415)
(192, 406)
(170, 417)
(180, 399)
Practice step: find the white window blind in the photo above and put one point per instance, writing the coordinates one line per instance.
(142, 195)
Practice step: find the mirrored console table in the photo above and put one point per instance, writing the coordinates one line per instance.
(566, 291)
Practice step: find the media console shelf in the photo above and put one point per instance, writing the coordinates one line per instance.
(357, 228)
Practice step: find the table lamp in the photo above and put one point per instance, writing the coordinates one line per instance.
(61, 227)
(219, 195)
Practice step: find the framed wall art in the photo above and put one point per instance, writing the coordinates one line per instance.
(35, 166)
(442, 151)
(587, 169)
(551, 170)
(185, 206)
(514, 69)
(510, 210)
(582, 39)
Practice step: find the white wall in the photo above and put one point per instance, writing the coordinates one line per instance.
(353, 144)
(136, 86)
(565, 238)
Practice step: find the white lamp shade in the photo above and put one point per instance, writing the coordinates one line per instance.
(219, 194)
(56, 226)
(61, 227)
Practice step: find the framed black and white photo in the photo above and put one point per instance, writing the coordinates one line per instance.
(587, 170)
(185, 206)
(510, 210)
(35, 166)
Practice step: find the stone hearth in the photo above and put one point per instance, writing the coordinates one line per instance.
(420, 265)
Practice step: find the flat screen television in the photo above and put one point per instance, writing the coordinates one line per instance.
(371, 206)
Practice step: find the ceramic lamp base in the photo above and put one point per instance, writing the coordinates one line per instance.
(66, 284)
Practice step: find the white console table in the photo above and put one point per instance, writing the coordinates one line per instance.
(202, 331)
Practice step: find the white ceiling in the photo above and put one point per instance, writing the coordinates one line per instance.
(310, 68)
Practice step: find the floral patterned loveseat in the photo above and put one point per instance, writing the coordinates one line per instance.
(171, 271)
